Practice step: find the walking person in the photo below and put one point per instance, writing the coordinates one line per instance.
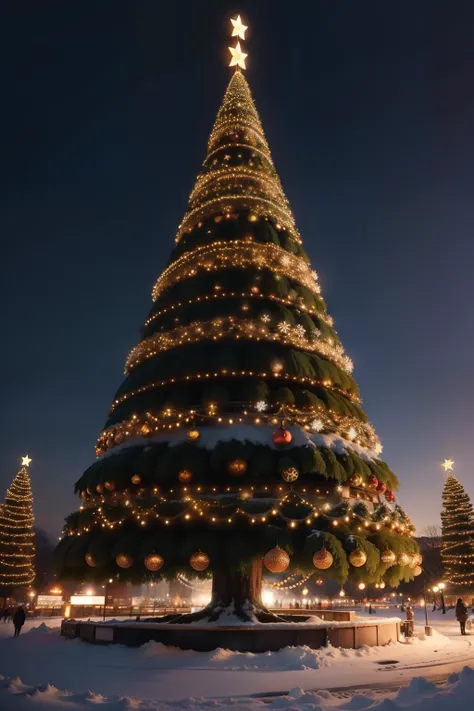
(19, 620)
(461, 614)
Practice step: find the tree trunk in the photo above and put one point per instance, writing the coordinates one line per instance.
(235, 593)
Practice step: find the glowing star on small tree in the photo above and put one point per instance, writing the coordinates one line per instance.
(238, 27)
(238, 57)
(448, 465)
(26, 461)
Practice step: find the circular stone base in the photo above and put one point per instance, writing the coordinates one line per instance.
(245, 638)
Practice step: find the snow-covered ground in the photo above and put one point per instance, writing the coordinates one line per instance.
(158, 677)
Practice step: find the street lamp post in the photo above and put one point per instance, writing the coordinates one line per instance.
(105, 594)
(428, 630)
(441, 586)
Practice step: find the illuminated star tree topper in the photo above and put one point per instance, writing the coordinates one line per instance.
(448, 465)
(238, 27)
(238, 57)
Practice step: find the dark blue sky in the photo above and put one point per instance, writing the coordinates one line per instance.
(106, 109)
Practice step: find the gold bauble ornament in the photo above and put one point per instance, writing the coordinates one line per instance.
(100, 488)
(358, 558)
(185, 476)
(276, 560)
(153, 562)
(237, 467)
(124, 560)
(290, 474)
(136, 479)
(193, 434)
(110, 485)
(417, 559)
(417, 570)
(199, 561)
(355, 480)
(404, 559)
(276, 366)
(90, 560)
(388, 557)
(84, 494)
(323, 559)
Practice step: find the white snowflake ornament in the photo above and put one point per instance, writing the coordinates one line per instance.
(378, 449)
(284, 327)
(261, 406)
(317, 425)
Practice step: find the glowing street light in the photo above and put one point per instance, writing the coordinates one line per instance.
(441, 587)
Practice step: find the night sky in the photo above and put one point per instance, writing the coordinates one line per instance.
(106, 109)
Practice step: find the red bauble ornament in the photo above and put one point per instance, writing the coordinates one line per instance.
(237, 467)
(185, 476)
(372, 481)
(281, 437)
(381, 487)
(390, 496)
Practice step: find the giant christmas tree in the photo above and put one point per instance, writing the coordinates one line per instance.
(237, 443)
(457, 519)
(17, 538)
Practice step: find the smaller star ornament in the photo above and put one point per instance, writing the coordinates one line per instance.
(238, 27)
(448, 465)
(26, 461)
(238, 57)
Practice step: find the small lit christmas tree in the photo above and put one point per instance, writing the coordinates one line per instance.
(237, 443)
(17, 538)
(457, 520)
